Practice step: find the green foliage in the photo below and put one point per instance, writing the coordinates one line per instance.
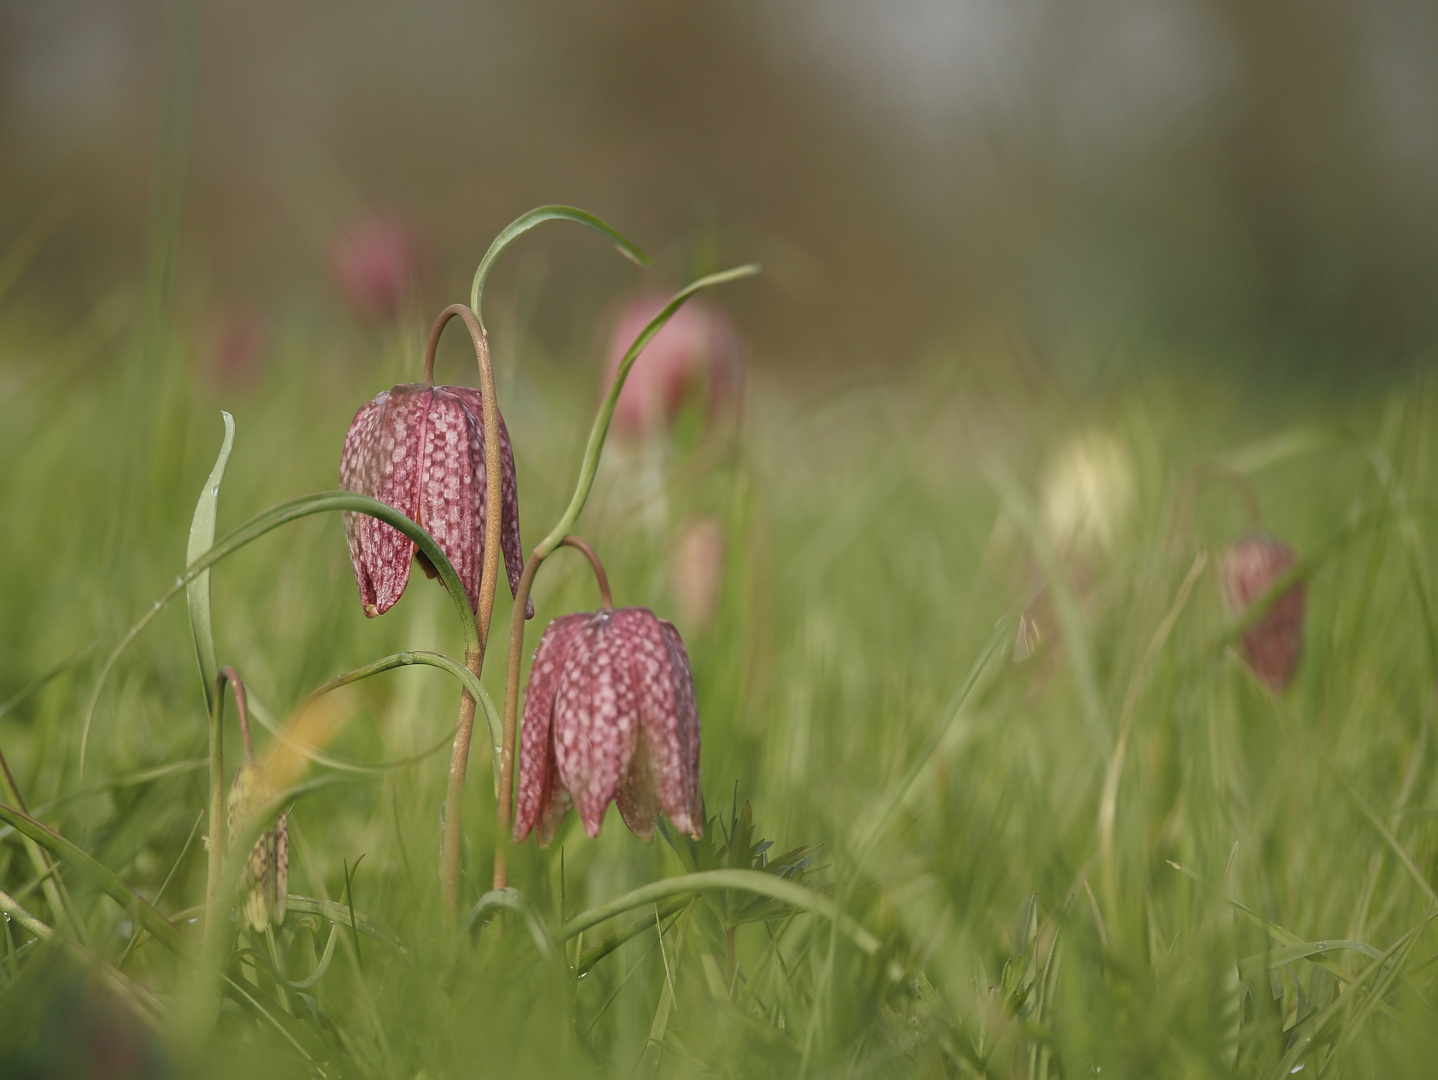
(1121, 853)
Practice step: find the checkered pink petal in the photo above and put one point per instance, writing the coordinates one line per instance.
(687, 727)
(610, 714)
(542, 800)
(387, 465)
(509, 489)
(1273, 645)
(421, 449)
(595, 718)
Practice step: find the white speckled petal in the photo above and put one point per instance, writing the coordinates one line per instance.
(596, 722)
(543, 801)
(358, 442)
(451, 489)
(687, 727)
(509, 542)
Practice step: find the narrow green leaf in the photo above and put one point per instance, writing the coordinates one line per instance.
(522, 224)
(266, 522)
(166, 932)
(202, 536)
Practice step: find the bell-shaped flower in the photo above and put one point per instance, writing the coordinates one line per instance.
(1273, 644)
(265, 884)
(609, 715)
(421, 449)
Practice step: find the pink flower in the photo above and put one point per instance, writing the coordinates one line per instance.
(375, 262)
(698, 350)
(1273, 644)
(609, 715)
(421, 449)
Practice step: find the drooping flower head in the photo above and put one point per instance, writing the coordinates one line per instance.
(265, 885)
(609, 715)
(421, 449)
(697, 349)
(1273, 644)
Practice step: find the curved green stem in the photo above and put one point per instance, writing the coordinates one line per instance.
(590, 464)
(467, 679)
(266, 522)
(606, 600)
(750, 881)
(524, 223)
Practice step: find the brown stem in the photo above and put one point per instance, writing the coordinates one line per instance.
(241, 707)
(450, 871)
(606, 601)
(511, 716)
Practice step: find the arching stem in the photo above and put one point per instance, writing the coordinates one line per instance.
(600, 577)
(451, 869)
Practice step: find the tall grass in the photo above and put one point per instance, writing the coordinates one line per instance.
(877, 537)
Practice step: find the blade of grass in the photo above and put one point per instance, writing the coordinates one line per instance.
(202, 536)
(103, 877)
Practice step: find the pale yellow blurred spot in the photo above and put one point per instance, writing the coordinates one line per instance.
(310, 728)
(1087, 493)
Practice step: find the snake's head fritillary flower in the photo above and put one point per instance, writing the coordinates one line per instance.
(610, 715)
(421, 449)
(698, 349)
(266, 881)
(1273, 644)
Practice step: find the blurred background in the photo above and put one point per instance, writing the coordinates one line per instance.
(1233, 185)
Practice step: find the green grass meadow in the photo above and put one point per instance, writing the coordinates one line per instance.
(1117, 856)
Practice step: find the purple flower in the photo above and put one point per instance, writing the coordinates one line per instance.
(609, 714)
(421, 449)
(1273, 644)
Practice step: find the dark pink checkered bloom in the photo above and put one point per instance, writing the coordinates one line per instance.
(421, 449)
(1273, 644)
(609, 715)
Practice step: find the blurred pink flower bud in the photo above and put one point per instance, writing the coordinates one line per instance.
(1273, 644)
(609, 715)
(697, 570)
(235, 343)
(698, 350)
(421, 449)
(376, 262)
